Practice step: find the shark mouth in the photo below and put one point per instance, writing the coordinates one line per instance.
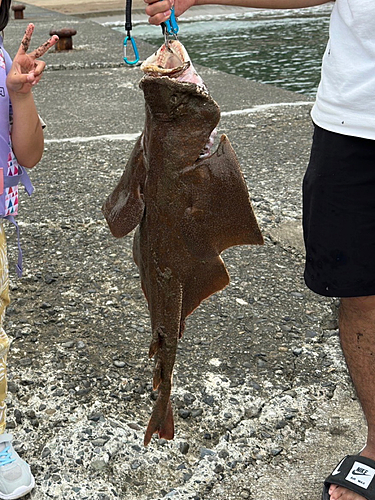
(173, 61)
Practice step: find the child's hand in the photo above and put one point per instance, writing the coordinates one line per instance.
(26, 70)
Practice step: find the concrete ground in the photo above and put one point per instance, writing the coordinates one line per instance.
(263, 405)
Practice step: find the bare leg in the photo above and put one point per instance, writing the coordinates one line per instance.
(357, 335)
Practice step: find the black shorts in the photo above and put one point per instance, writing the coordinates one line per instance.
(339, 215)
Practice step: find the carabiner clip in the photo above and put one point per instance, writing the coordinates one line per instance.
(135, 50)
(171, 25)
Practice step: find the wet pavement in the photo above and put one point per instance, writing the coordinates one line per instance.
(263, 405)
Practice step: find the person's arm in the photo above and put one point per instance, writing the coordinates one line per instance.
(159, 11)
(26, 71)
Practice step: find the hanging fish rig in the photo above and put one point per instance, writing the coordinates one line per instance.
(169, 28)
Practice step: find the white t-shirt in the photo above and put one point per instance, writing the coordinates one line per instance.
(345, 101)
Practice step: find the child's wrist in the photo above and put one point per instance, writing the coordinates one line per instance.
(15, 95)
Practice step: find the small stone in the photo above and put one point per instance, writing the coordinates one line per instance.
(184, 447)
(95, 417)
(197, 413)
(68, 345)
(223, 454)
(25, 362)
(245, 494)
(276, 451)
(100, 441)
(134, 426)
(311, 334)
(189, 398)
(18, 416)
(205, 452)
(290, 393)
(219, 469)
(119, 364)
(46, 452)
(98, 465)
(184, 413)
(13, 387)
(209, 400)
(255, 386)
(281, 424)
(49, 278)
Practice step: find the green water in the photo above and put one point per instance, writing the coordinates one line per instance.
(283, 51)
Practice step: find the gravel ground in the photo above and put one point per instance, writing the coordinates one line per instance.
(262, 401)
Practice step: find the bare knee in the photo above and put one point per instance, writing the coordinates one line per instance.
(356, 325)
(358, 305)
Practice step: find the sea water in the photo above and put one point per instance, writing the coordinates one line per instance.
(282, 48)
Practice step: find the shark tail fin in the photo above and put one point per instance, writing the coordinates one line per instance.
(161, 422)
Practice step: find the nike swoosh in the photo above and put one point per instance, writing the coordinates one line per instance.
(337, 471)
(359, 473)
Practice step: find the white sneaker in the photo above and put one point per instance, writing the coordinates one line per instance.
(16, 479)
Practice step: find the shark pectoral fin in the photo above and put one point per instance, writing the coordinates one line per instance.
(123, 209)
(220, 214)
(161, 422)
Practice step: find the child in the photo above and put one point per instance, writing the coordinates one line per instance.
(20, 144)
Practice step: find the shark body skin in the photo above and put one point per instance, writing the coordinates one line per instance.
(187, 204)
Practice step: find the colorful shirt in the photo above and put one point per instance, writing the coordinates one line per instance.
(7, 159)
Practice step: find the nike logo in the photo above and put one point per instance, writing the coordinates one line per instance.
(337, 470)
(356, 473)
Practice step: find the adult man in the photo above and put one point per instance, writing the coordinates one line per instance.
(339, 203)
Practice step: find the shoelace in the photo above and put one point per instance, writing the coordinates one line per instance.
(6, 456)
